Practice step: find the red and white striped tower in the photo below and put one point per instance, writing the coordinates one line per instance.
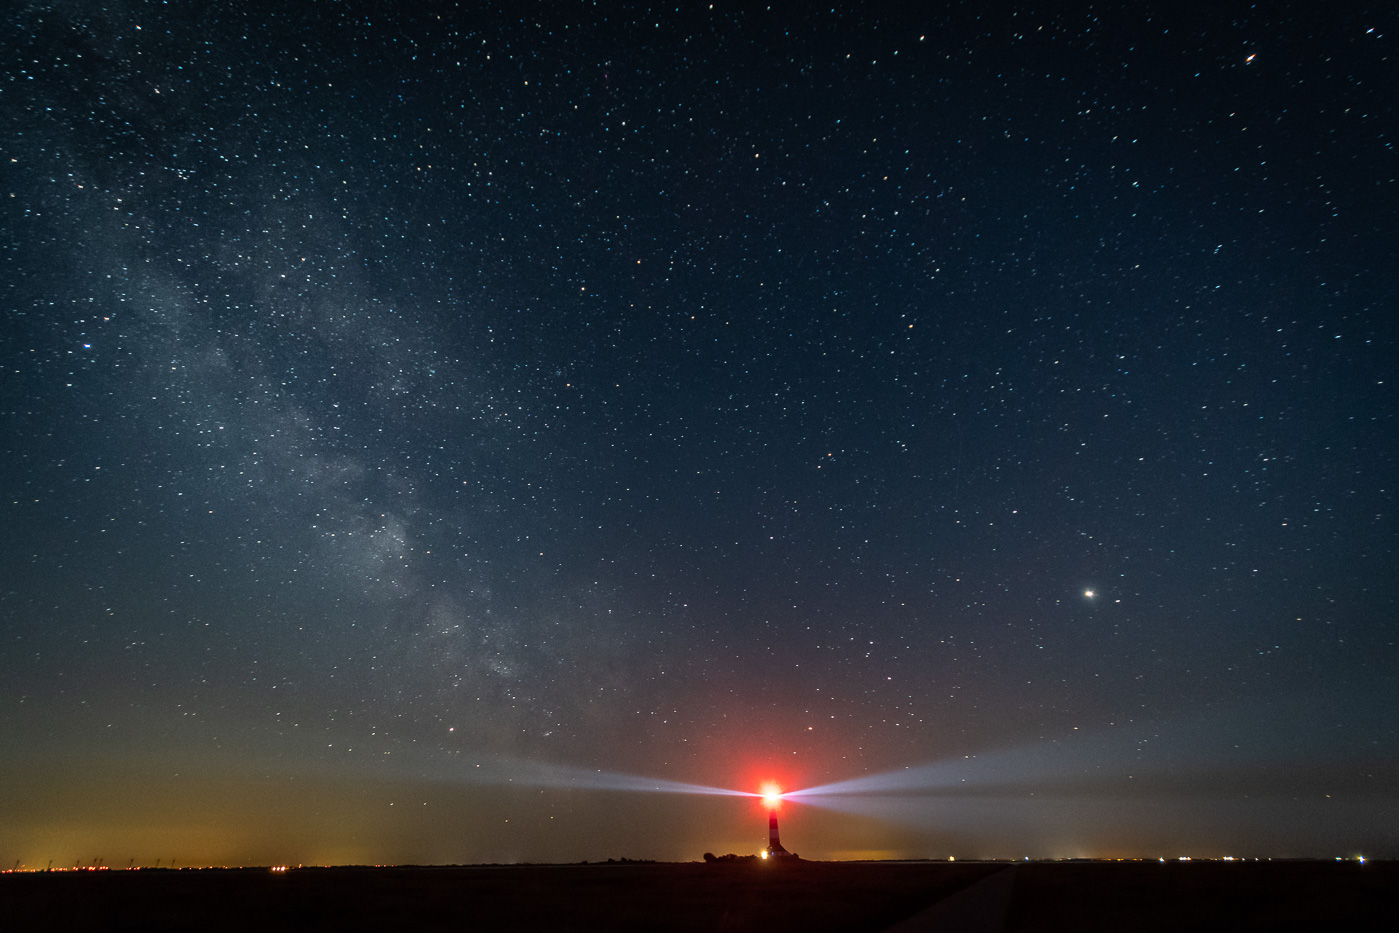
(775, 849)
(772, 796)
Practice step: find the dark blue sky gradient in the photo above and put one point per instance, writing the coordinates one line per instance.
(705, 394)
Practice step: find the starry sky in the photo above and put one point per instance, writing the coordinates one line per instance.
(420, 421)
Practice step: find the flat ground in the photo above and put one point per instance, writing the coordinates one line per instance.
(810, 897)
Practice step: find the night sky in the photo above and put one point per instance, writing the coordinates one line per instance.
(420, 424)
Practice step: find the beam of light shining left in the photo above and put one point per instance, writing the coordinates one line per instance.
(542, 774)
(464, 767)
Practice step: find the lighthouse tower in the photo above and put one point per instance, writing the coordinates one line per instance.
(774, 849)
(772, 796)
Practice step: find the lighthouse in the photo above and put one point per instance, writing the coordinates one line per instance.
(774, 849)
(772, 796)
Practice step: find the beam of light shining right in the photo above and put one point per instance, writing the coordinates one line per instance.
(1081, 825)
(1178, 751)
(1084, 758)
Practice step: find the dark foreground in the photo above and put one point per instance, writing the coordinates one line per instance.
(809, 897)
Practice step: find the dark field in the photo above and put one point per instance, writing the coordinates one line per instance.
(811, 896)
